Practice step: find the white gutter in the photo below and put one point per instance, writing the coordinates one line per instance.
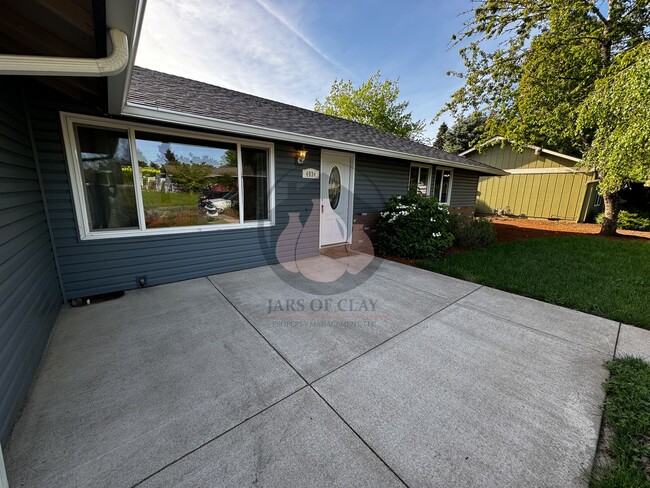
(166, 115)
(126, 15)
(11, 64)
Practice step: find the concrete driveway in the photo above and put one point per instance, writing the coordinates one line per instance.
(249, 378)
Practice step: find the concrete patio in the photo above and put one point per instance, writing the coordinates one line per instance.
(241, 379)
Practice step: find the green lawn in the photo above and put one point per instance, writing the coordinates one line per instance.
(154, 199)
(605, 277)
(627, 415)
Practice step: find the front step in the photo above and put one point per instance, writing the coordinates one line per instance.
(337, 251)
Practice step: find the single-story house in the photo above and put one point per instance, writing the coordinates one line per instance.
(80, 136)
(539, 183)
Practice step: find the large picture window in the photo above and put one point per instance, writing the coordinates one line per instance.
(132, 179)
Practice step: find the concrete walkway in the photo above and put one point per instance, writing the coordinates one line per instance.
(248, 378)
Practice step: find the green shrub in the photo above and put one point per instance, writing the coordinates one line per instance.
(630, 220)
(471, 233)
(413, 226)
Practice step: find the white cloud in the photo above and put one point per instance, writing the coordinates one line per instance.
(245, 45)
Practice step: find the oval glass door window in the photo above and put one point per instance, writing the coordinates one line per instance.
(335, 187)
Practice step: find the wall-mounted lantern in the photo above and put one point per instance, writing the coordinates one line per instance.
(301, 155)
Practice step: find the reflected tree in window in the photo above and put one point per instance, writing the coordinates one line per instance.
(198, 181)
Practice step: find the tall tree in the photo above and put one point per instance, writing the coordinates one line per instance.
(532, 65)
(374, 103)
(464, 133)
(617, 116)
(441, 136)
(189, 176)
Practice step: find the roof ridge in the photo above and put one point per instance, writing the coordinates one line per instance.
(294, 107)
(151, 88)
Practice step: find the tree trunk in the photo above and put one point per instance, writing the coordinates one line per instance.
(610, 217)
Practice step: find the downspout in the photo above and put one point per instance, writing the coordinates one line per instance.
(11, 64)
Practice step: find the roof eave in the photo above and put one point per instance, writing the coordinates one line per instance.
(192, 120)
(535, 148)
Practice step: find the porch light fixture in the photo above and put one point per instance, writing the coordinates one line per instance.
(301, 155)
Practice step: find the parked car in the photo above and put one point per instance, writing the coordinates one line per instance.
(207, 194)
(226, 201)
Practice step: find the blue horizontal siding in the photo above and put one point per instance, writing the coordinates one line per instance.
(464, 186)
(97, 266)
(30, 296)
(376, 180)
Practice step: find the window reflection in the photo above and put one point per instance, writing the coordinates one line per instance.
(255, 182)
(107, 178)
(442, 184)
(185, 182)
(419, 178)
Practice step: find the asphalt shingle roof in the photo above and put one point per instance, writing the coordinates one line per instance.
(169, 92)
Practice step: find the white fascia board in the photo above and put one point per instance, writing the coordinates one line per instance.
(164, 115)
(126, 15)
(540, 171)
(489, 141)
(534, 148)
(560, 155)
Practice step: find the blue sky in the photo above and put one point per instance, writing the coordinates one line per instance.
(292, 50)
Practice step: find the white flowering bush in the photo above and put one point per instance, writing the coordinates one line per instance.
(413, 226)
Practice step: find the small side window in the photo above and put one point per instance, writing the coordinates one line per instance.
(442, 186)
(107, 178)
(420, 177)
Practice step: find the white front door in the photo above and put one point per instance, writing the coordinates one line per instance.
(336, 179)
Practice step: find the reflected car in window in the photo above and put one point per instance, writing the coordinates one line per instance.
(227, 201)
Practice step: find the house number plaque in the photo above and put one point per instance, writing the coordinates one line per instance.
(310, 173)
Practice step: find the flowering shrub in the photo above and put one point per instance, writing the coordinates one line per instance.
(413, 226)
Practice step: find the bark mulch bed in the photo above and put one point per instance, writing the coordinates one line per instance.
(512, 229)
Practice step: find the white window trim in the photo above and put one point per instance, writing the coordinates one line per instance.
(431, 169)
(79, 197)
(451, 183)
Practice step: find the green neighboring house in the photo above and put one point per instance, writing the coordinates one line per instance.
(539, 183)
